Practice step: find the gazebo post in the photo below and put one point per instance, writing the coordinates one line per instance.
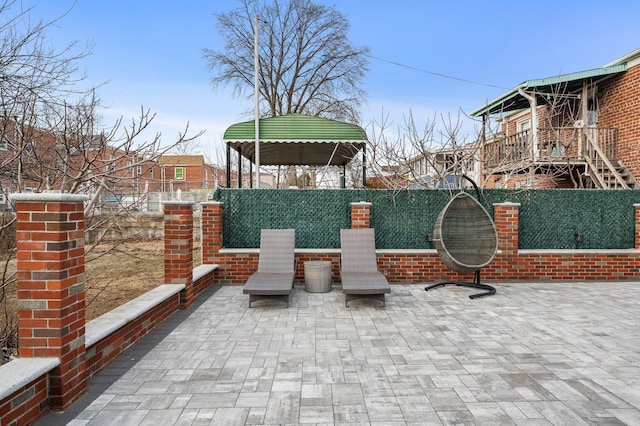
(343, 177)
(364, 166)
(239, 168)
(228, 165)
(251, 173)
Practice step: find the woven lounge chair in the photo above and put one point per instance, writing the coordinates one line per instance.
(276, 267)
(466, 240)
(358, 266)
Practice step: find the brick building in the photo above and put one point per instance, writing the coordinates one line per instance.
(186, 172)
(577, 130)
(34, 160)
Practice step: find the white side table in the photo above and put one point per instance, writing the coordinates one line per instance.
(317, 276)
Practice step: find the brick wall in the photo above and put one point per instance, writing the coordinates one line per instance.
(360, 215)
(100, 354)
(425, 266)
(178, 247)
(26, 404)
(51, 307)
(618, 108)
(51, 311)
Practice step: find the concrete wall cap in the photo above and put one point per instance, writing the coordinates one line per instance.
(48, 196)
(21, 371)
(506, 204)
(178, 203)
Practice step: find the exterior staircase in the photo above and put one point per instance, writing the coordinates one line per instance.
(605, 171)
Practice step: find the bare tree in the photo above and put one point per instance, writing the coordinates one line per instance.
(187, 148)
(407, 156)
(307, 64)
(51, 136)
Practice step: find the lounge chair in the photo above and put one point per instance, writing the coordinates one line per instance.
(276, 267)
(358, 266)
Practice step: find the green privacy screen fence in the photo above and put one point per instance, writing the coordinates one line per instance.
(549, 219)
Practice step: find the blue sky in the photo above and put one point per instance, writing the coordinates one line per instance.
(150, 53)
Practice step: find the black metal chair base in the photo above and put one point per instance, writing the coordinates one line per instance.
(488, 290)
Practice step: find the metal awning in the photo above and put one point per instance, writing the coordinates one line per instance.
(567, 83)
(298, 140)
(299, 153)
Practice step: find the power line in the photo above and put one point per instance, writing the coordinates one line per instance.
(435, 73)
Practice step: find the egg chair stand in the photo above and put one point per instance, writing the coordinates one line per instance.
(488, 290)
(466, 240)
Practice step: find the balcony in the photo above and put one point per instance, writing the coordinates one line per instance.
(554, 145)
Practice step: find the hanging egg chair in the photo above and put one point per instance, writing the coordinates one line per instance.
(466, 239)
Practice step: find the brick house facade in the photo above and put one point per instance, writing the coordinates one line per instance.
(577, 130)
(34, 160)
(186, 172)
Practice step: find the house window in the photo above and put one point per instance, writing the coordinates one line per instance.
(523, 125)
(179, 173)
(139, 169)
(4, 143)
(151, 173)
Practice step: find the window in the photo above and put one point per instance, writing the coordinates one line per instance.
(524, 125)
(4, 143)
(179, 173)
(139, 170)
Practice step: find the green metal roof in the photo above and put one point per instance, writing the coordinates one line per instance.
(296, 127)
(297, 139)
(513, 100)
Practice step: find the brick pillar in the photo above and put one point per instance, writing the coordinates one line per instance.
(211, 225)
(637, 221)
(506, 221)
(50, 275)
(361, 215)
(178, 248)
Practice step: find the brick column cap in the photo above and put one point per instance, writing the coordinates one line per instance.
(212, 203)
(48, 196)
(178, 203)
(506, 204)
(361, 203)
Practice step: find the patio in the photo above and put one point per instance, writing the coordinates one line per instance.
(534, 353)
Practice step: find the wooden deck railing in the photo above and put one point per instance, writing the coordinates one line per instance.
(557, 144)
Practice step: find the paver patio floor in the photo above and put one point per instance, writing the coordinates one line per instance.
(533, 354)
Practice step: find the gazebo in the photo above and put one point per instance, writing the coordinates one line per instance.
(296, 140)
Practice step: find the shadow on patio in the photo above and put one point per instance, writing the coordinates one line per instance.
(534, 353)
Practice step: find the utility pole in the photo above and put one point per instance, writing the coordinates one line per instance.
(256, 93)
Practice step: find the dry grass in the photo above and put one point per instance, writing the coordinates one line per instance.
(116, 274)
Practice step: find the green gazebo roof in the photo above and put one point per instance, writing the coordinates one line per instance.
(296, 139)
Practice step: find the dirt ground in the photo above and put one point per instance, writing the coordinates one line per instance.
(117, 274)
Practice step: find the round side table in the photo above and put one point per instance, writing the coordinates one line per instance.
(317, 276)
